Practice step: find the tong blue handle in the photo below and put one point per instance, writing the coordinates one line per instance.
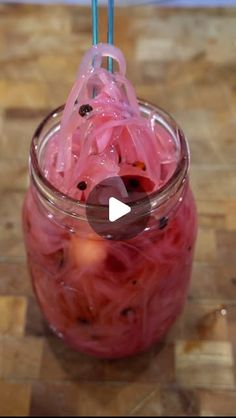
(110, 25)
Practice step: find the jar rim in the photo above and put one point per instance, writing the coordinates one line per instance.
(56, 198)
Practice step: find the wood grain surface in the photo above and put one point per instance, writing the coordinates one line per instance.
(184, 61)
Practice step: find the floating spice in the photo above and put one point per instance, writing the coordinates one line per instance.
(163, 222)
(82, 185)
(85, 109)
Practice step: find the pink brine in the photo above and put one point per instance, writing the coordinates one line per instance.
(105, 297)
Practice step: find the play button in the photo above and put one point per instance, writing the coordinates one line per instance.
(117, 209)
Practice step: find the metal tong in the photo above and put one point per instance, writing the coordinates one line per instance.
(110, 27)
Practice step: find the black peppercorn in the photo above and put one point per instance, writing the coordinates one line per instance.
(127, 311)
(133, 183)
(84, 109)
(163, 222)
(83, 321)
(82, 185)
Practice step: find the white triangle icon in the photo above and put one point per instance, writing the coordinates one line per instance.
(117, 209)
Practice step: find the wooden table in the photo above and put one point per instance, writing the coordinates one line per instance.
(185, 61)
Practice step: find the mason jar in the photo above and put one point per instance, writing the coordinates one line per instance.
(109, 298)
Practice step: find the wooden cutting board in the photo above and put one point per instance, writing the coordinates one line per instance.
(185, 61)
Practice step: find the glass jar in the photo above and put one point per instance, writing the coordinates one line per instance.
(103, 297)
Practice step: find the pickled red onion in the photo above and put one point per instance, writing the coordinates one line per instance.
(106, 141)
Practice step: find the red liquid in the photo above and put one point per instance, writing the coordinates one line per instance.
(110, 298)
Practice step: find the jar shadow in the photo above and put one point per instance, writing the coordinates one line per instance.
(65, 363)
